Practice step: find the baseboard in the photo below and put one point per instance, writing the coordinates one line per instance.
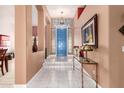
(33, 77)
(25, 85)
(20, 86)
(99, 86)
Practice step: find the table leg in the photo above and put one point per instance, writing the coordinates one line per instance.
(73, 63)
(2, 67)
(6, 64)
(82, 76)
(96, 77)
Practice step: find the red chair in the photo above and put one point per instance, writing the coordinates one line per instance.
(2, 59)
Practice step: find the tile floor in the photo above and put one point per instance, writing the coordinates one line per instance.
(55, 73)
(58, 73)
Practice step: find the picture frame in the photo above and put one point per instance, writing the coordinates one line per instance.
(89, 32)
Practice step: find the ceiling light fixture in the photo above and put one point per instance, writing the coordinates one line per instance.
(62, 19)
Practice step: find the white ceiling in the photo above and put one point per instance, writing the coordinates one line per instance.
(69, 11)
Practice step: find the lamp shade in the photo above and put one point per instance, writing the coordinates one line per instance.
(87, 48)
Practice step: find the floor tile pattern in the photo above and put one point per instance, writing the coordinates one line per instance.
(58, 73)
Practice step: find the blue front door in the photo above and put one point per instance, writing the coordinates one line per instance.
(61, 42)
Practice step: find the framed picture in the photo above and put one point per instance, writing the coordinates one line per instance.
(89, 32)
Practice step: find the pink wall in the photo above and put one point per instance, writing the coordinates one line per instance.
(20, 45)
(116, 43)
(28, 63)
(100, 55)
(109, 55)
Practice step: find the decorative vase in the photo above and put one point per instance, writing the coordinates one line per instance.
(81, 53)
(35, 48)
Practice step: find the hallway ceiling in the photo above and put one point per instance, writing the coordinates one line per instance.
(69, 11)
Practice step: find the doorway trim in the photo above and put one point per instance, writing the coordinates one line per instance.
(60, 26)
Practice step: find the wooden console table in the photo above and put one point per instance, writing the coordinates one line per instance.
(89, 66)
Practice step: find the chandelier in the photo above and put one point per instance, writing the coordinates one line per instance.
(62, 19)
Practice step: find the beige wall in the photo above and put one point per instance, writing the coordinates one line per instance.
(47, 16)
(48, 39)
(48, 33)
(100, 55)
(109, 55)
(116, 42)
(28, 63)
(41, 29)
(20, 44)
(34, 60)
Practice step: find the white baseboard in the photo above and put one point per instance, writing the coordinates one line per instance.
(33, 77)
(25, 85)
(99, 86)
(90, 76)
(20, 86)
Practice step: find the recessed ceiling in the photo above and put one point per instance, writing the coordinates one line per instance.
(66, 11)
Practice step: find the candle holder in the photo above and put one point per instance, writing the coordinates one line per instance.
(76, 48)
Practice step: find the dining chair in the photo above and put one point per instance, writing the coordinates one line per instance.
(2, 59)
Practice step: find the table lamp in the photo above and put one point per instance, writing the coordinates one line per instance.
(87, 48)
(76, 49)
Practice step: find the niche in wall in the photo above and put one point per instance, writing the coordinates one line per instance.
(34, 29)
(38, 27)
